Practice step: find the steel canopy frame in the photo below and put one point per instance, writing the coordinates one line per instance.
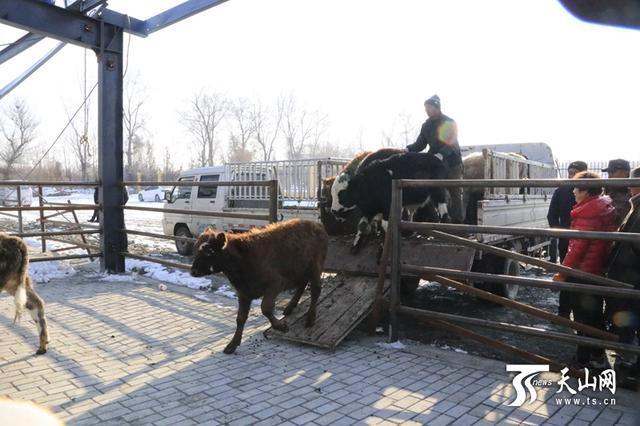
(104, 35)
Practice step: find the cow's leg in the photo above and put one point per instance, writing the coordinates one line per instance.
(364, 229)
(315, 294)
(244, 304)
(268, 305)
(294, 300)
(35, 305)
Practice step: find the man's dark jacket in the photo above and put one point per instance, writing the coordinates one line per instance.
(624, 261)
(562, 201)
(429, 136)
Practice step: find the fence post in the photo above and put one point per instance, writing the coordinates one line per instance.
(42, 226)
(273, 201)
(393, 227)
(20, 227)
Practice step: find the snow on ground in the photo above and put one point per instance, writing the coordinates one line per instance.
(395, 345)
(162, 273)
(43, 272)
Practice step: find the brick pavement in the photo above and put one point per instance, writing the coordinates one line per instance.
(127, 353)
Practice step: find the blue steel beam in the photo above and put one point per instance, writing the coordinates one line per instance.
(55, 22)
(178, 13)
(110, 161)
(22, 77)
(18, 46)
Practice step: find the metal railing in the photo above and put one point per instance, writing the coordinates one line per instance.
(270, 217)
(16, 205)
(594, 284)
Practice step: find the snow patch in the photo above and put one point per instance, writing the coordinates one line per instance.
(162, 273)
(202, 297)
(226, 291)
(395, 345)
(43, 272)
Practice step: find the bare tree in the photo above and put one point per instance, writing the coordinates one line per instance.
(266, 125)
(241, 131)
(18, 131)
(202, 119)
(133, 120)
(299, 128)
(403, 132)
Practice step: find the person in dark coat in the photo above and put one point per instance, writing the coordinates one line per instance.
(624, 265)
(619, 169)
(592, 212)
(440, 133)
(559, 216)
(96, 201)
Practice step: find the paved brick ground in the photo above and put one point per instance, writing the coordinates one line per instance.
(126, 353)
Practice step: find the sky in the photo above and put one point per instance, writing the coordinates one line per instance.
(507, 71)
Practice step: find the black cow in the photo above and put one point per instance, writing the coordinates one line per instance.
(370, 188)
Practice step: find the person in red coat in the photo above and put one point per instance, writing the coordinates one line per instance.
(592, 212)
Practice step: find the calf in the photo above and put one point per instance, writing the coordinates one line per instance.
(264, 262)
(370, 188)
(14, 279)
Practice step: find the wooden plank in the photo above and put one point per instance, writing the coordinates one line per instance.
(344, 303)
(420, 251)
(351, 317)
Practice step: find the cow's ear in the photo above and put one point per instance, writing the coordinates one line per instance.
(221, 240)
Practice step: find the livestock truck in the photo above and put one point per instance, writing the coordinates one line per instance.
(300, 196)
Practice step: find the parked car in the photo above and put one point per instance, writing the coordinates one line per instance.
(152, 193)
(9, 196)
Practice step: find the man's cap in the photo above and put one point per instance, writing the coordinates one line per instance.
(580, 166)
(434, 100)
(617, 164)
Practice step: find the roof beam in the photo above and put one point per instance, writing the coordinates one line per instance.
(178, 13)
(56, 22)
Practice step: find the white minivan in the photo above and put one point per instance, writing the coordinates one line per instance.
(298, 185)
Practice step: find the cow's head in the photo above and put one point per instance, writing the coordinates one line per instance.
(209, 253)
(342, 195)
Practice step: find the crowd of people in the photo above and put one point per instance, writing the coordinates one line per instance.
(583, 208)
(588, 208)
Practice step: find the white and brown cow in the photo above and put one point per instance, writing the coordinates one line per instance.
(15, 280)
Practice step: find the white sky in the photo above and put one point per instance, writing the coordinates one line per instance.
(507, 71)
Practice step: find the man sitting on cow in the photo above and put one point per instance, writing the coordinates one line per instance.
(440, 133)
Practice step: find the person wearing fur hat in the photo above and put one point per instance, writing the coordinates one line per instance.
(440, 133)
(619, 169)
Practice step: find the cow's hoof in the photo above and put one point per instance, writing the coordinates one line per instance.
(282, 327)
(446, 219)
(310, 322)
(288, 310)
(229, 349)
(354, 249)
(41, 351)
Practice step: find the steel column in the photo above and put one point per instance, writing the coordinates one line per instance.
(110, 164)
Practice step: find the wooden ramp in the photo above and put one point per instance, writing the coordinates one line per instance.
(347, 298)
(344, 302)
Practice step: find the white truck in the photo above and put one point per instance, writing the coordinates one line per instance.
(299, 182)
(300, 196)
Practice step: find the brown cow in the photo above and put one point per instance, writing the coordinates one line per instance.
(14, 279)
(263, 263)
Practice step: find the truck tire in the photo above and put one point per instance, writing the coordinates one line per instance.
(510, 267)
(497, 265)
(185, 248)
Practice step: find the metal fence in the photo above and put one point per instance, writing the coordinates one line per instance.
(454, 278)
(270, 217)
(594, 166)
(12, 206)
